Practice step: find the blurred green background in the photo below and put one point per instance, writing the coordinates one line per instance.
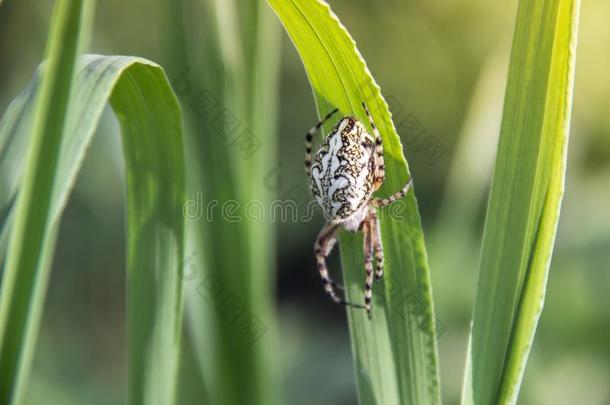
(442, 67)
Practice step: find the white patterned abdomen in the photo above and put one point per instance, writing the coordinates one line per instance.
(342, 171)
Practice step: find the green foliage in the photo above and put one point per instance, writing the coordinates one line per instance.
(231, 53)
(230, 56)
(151, 127)
(395, 354)
(25, 272)
(525, 199)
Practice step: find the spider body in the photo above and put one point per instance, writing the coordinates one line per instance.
(345, 172)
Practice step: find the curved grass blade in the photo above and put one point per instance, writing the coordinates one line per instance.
(525, 199)
(395, 354)
(151, 127)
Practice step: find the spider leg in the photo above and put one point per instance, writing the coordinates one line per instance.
(377, 245)
(322, 248)
(327, 248)
(379, 163)
(309, 140)
(382, 202)
(368, 265)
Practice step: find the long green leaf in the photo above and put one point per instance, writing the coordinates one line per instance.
(525, 199)
(25, 276)
(395, 354)
(151, 127)
(230, 57)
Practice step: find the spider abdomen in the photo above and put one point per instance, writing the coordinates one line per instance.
(342, 172)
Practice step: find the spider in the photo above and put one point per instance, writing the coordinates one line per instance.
(345, 172)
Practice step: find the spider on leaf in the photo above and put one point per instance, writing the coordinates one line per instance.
(347, 169)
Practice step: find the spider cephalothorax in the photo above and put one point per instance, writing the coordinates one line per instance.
(345, 172)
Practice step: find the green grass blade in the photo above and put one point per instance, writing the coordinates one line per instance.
(25, 275)
(152, 143)
(232, 55)
(151, 127)
(395, 354)
(525, 199)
